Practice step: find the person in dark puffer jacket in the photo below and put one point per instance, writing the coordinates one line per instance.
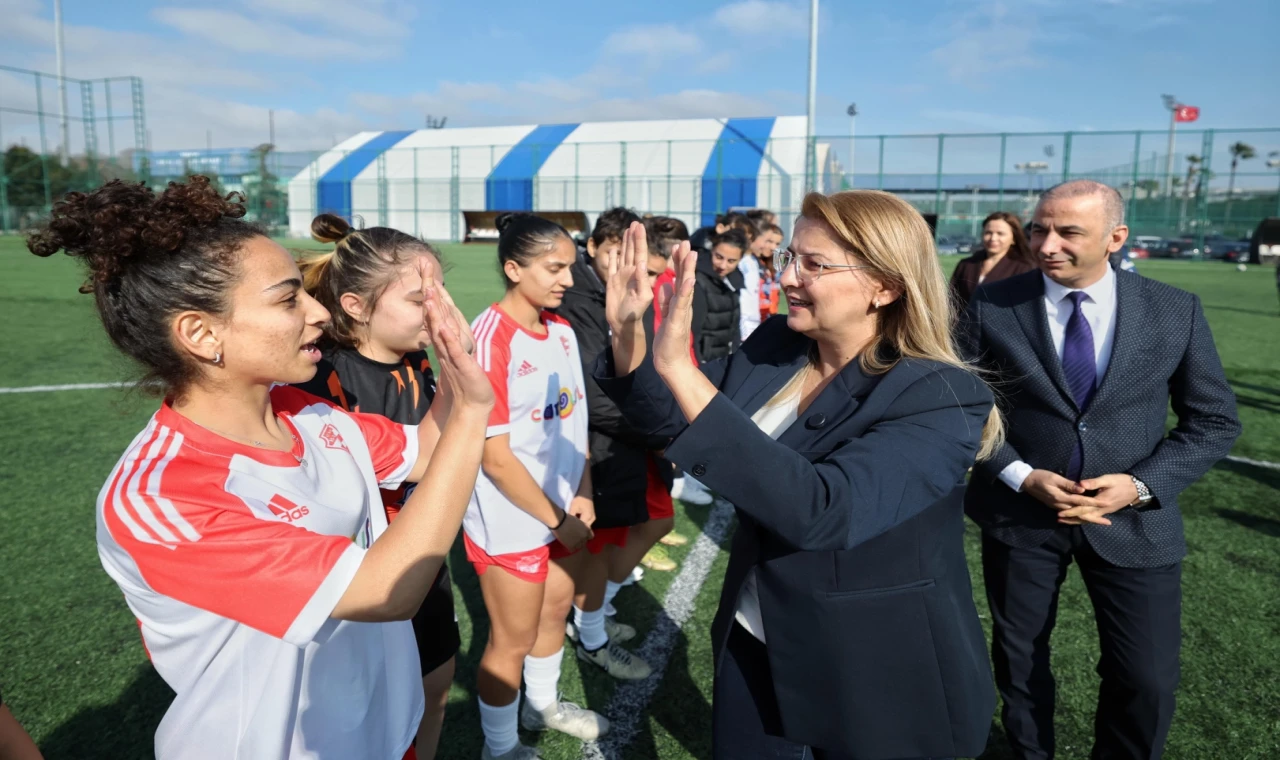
(716, 311)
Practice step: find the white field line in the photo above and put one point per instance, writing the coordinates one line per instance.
(626, 711)
(71, 387)
(1255, 462)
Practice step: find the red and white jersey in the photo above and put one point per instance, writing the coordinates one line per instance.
(232, 558)
(541, 402)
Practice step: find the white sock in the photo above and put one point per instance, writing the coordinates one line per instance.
(590, 628)
(611, 590)
(541, 679)
(500, 726)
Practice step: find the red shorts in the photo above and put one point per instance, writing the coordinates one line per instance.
(528, 566)
(607, 537)
(531, 565)
(656, 495)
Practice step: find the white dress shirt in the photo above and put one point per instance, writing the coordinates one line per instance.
(1099, 307)
(749, 296)
(773, 418)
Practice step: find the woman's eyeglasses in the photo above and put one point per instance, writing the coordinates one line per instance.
(807, 268)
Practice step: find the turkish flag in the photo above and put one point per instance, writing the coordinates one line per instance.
(1186, 113)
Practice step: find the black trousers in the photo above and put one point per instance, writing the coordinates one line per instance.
(1138, 613)
(745, 722)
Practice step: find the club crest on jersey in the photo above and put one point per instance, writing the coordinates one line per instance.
(286, 510)
(332, 438)
(562, 408)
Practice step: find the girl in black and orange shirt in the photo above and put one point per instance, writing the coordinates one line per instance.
(375, 362)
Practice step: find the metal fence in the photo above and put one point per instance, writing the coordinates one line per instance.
(959, 177)
(61, 134)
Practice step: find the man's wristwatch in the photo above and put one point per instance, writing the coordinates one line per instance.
(1144, 493)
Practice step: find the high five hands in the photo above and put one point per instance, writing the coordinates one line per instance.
(460, 377)
(628, 294)
(629, 290)
(671, 344)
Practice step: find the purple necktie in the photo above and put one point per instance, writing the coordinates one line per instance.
(1080, 366)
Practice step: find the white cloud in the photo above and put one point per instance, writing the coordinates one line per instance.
(653, 41)
(987, 40)
(763, 18)
(244, 35)
(365, 18)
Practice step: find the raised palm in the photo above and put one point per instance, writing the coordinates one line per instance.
(629, 290)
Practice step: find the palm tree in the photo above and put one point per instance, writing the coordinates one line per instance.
(1193, 166)
(1149, 186)
(1239, 151)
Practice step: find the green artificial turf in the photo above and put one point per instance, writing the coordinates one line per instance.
(73, 670)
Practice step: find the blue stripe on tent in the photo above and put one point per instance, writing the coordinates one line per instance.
(333, 190)
(509, 187)
(730, 177)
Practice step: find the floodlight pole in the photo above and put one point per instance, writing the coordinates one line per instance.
(65, 152)
(811, 147)
(853, 120)
(1171, 103)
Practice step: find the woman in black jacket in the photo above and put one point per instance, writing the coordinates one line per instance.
(619, 458)
(716, 306)
(842, 433)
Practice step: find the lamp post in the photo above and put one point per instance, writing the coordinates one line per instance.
(811, 148)
(973, 209)
(1031, 168)
(65, 153)
(852, 110)
(1171, 103)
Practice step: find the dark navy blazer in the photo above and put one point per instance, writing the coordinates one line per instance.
(853, 520)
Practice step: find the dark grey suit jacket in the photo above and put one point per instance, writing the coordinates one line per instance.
(1163, 352)
(853, 521)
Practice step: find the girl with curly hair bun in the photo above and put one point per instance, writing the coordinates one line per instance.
(244, 523)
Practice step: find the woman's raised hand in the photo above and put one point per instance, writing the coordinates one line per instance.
(460, 376)
(629, 291)
(429, 271)
(671, 345)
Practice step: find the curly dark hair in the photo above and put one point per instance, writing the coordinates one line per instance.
(363, 262)
(149, 258)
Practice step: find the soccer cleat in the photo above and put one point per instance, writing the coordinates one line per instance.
(518, 752)
(565, 717)
(657, 559)
(616, 631)
(617, 662)
(673, 539)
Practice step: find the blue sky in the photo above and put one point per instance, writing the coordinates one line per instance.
(332, 67)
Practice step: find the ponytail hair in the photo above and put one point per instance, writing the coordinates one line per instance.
(362, 262)
(523, 237)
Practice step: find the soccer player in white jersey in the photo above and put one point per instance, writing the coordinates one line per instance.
(532, 508)
(244, 523)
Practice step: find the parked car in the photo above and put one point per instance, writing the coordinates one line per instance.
(1146, 242)
(1232, 252)
(966, 245)
(1176, 248)
(1216, 246)
(948, 246)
